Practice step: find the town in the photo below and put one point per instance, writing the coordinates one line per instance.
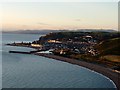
(88, 46)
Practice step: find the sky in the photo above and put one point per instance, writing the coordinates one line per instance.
(59, 15)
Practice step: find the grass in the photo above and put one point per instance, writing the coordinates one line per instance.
(113, 58)
(109, 47)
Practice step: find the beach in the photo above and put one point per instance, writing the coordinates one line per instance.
(111, 74)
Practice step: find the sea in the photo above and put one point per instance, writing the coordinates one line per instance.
(31, 71)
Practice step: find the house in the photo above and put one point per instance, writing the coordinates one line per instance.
(36, 45)
(54, 41)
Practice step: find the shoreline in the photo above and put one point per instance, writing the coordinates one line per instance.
(107, 72)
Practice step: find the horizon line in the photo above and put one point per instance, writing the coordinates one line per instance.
(58, 29)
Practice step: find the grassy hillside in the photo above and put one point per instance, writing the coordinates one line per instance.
(109, 52)
(65, 36)
(109, 47)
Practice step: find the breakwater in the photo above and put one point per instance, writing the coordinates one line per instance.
(23, 52)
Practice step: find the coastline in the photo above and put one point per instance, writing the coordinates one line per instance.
(109, 73)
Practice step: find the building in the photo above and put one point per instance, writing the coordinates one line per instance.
(36, 45)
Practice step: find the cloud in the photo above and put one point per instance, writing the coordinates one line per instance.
(42, 23)
(77, 20)
(24, 25)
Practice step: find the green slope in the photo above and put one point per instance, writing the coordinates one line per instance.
(109, 47)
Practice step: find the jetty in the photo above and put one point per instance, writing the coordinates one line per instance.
(23, 52)
(19, 52)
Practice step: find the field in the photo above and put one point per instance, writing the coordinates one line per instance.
(113, 58)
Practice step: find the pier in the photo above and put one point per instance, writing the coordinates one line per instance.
(23, 52)
(20, 52)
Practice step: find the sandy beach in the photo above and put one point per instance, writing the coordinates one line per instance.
(114, 76)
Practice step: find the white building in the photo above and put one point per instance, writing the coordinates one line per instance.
(36, 45)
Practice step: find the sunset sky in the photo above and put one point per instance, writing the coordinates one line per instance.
(59, 15)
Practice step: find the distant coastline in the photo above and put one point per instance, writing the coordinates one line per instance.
(45, 31)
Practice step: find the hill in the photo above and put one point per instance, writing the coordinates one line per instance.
(109, 47)
(66, 35)
(109, 52)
